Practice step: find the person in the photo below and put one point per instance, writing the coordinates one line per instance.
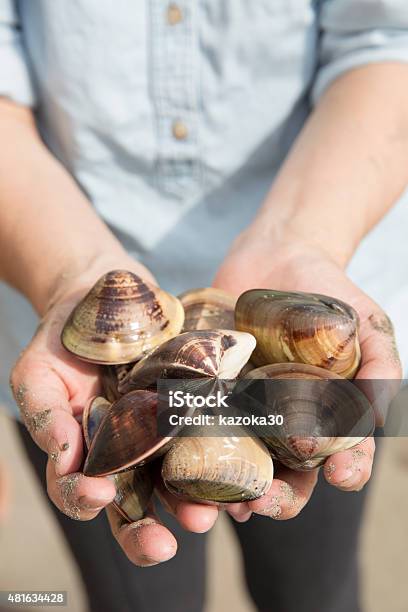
(239, 144)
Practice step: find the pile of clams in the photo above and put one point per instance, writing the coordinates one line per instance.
(138, 334)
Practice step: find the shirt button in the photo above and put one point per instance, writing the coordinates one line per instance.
(179, 130)
(174, 14)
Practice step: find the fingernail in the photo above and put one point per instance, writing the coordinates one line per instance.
(344, 475)
(146, 561)
(240, 512)
(92, 503)
(243, 518)
(167, 556)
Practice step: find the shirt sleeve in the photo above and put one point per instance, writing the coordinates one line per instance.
(358, 32)
(15, 81)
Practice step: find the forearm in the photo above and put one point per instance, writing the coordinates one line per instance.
(49, 233)
(348, 165)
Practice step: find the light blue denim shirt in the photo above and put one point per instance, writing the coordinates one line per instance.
(174, 118)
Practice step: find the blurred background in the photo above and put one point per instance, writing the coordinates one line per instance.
(34, 556)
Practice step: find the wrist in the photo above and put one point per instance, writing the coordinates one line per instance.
(294, 229)
(270, 259)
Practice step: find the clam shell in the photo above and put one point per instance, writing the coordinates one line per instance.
(121, 318)
(128, 436)
(134, 489)
(302, 328)
(319, 419)
(221, 469)
(246, 369)
(207, 468)
(110, 377)
(196, 354)
(92, 417)
(207, 309)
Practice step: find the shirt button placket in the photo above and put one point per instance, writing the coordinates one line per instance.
(174, 72)
(174, 14)
(179, 130)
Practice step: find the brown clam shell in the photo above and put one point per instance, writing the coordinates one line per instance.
(120, 319)
(222, 469)
(214, 469)
(134, 488)
(134, 491)
(92, 417)
(319, 418)
(300, 328)
(207, 308)
(111, 376)
(128, 436)
(196, 354)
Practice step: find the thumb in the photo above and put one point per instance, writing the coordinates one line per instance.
(45, 401)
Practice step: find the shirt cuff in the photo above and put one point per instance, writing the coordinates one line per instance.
(370, 48)
(15, 81)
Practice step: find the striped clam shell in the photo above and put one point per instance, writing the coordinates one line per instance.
(222, 468)
(300, 328)
(322, 412)
(207, 308)
(195, 354)
(120, 319)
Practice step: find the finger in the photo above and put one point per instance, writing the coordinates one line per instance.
(289, 493)
(45, 405)
(192, 516)
(380, 373)
(240, 512)
(350, 470)
(79, 497)
(146, 542)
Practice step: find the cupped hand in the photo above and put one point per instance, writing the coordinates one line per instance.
(51, 388)
(256, 261)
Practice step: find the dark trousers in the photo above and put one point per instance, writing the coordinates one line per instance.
(307, 564)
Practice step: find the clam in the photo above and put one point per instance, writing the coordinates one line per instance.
(92, 417)
(120, 319)
(207, 309)
(110, 377)
(301, 328)
(134, 489)
(247, 368)
(215, 469)
(221, 469)
(322, 412)
(128, 436)
(196, 354)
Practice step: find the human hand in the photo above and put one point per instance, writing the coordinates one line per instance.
(51, 388)
(256, 261)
